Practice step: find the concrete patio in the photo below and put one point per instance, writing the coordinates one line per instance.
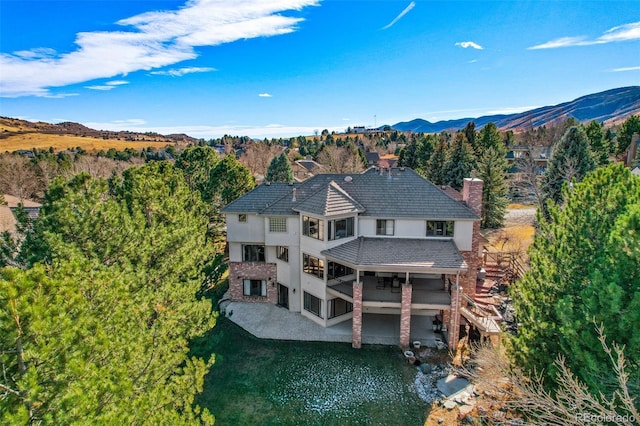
(268, 321)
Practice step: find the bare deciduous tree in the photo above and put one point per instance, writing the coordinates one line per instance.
(258, 156)
(18, 177)
(339, 160)
(572, 403)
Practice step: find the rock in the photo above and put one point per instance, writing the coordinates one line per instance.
(449, 405)
(465, 409)
(482, 410)
(425, 368)
(440, 420)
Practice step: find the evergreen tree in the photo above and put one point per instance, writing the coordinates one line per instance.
(279, 169)
(231, 179)
(426, 145)
(585, 271)
(630, 126)
(570, 162)
(196, 164)
(492, 169)
(460, 163)
(408, 156)
(470, 133)
(100, 335)
(436, 167)
(597, 142)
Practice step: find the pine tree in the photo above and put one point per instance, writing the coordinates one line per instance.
(597, 142)
(570, 162)
(436, 171)
(279, 169)
(196, 164)
(100, 335)
(460, 163)
(231, 179)
(630, 126)
(492, 169)
(585, 271)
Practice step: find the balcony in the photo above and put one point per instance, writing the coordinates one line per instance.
(428, 294)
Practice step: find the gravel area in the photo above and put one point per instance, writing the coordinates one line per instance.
(526, 216)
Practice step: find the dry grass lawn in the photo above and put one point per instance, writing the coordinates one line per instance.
(63, 142)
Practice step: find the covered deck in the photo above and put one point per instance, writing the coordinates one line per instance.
(402, 277)
(428, 294)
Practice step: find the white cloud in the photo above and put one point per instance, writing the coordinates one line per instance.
(625, 69)
(108, 85)
(467, 44)
(208, 132)
(626, 32)
(397, 18)
(179, 72)
(265, 95)
(147, 41)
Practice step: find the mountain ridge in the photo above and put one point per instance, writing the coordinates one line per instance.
(610, 107)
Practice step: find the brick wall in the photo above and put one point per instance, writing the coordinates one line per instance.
(239, 271)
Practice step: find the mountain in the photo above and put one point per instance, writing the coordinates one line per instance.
(610, 107)
(10, 127)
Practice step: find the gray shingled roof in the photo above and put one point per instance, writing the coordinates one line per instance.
(399, 193)
(401, 253)
(330, 201)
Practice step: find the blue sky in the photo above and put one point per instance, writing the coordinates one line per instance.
(288, 67)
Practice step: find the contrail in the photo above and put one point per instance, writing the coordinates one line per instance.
(397, 18)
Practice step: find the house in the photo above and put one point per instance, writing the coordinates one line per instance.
(338, 246)
(31, 207)
(304, 169)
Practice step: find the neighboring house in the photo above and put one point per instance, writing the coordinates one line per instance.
(636, 171)
(304, 169)
(632, 150)
(372, 158)
(31, 207)
(7, 221)
(539, 154)
(338, 246)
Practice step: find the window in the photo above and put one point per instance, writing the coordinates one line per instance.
(341, 228)
(336, 270)
(384, 226)
(277, 224)
(255, 288)
(312, 304)
(282, 253)
(252, 253)
(312, 265)
(439, 228)
(242, 218)
(312, 227)
(337, 307)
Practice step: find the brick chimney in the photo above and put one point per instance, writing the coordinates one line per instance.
(472, 194)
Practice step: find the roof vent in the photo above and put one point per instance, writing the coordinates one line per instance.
(348, 178)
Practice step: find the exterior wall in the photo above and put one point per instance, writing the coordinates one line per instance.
(462, 234)
(250, 231)
(256, 271)
(289, 238)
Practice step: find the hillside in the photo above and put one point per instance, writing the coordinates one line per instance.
(611, 107)
(18, 134)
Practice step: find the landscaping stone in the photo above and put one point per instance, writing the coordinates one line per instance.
(449, 405)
